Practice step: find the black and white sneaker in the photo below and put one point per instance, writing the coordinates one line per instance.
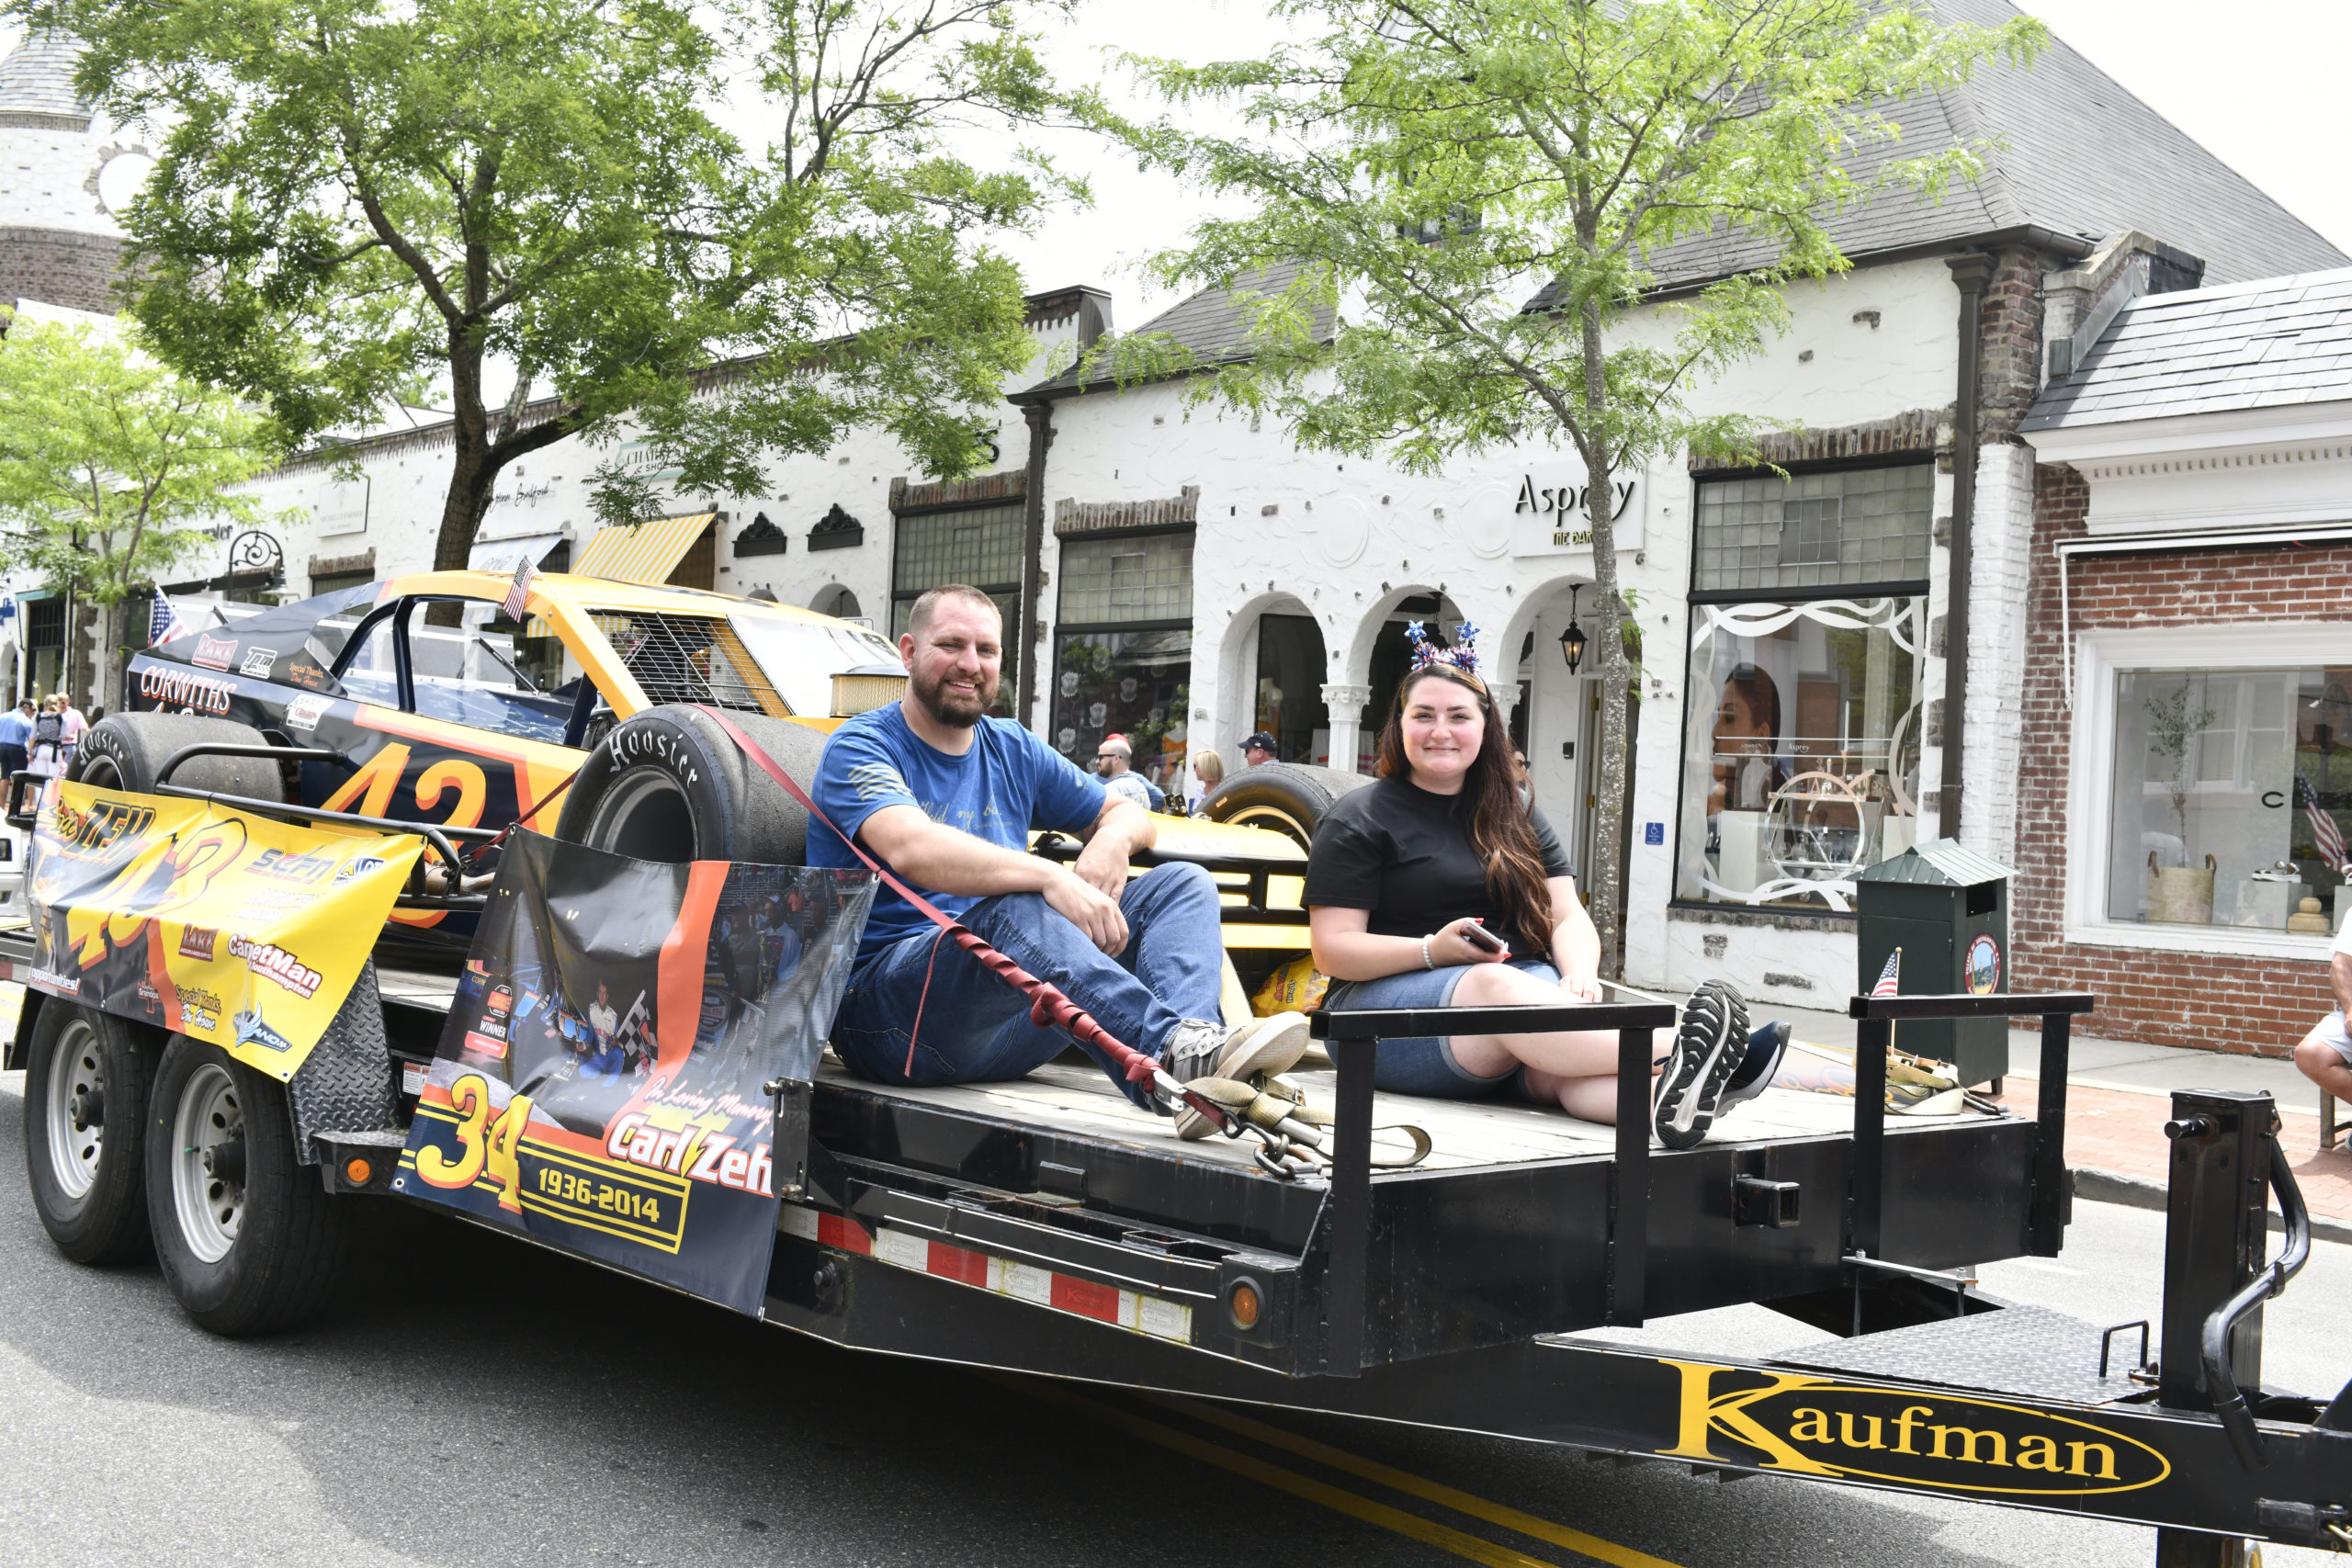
(1710, 1043)
(1767, 1044)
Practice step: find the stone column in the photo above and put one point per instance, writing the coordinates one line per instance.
(1506, 694)
(1345, 705)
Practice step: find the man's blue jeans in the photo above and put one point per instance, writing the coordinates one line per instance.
(976, 1028)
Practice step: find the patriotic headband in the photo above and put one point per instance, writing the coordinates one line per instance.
(1463, 656)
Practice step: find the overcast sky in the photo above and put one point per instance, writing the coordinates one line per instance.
(2258, 81)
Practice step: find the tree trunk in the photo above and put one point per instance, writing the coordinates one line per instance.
(472, 473)
(1606, 874)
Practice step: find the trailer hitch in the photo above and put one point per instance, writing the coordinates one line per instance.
(2229, 1402)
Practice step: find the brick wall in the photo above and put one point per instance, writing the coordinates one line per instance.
(2226, 1003)
(77, 271)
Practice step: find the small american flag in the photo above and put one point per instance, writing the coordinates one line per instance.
(2325, 835)
(162, 621)
(1887, 979)
(518, 594)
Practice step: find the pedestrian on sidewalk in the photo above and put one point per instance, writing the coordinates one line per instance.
(2325, 1055)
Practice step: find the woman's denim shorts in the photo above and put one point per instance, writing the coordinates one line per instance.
(1425, 1065)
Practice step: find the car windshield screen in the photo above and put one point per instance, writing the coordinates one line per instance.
(801, 658)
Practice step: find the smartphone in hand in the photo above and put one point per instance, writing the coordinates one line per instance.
(1480, 937)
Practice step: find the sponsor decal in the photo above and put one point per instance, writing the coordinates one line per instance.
(105, 824)
(413, 1078)
(251, 1030)
(258, 661)
(500, 1000)
(304, 712)
(652, 745)
(50, 979)
(215, 652)
(186, 689)
(1805, 1425)
(302, 672)
(147, 993)
(492, 1028)
(482, 1045)
(196, 942)
(274, 962)
(308, 866)
(1982, 969)
(359, 867)
(692, 1150)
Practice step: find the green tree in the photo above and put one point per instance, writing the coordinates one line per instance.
(114, 468)
(359, 201)
(1438, 163)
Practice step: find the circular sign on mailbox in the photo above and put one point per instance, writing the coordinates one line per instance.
(1983, 973)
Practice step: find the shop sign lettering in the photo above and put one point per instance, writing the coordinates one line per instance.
(1551, 514)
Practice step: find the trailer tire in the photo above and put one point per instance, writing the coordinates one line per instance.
(126, 750)
(668, 784)
(86, 1082)
(242, 1253)
(1288, 797)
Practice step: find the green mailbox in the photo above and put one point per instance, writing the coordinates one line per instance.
(1948, 910)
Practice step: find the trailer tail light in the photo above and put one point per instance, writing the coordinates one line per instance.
(1244, 1305)
(357, 1171)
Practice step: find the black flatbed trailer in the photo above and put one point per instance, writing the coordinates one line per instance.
(1043, 1227)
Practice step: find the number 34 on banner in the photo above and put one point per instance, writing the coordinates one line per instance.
(486, 1150)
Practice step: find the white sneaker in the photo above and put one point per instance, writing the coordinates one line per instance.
(1253, 1051)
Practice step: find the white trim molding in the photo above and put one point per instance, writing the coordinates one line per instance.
(2099, 656)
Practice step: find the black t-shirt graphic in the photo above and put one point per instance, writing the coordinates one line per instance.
(1404, 855)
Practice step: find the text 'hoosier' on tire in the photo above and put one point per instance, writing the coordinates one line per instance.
(1288, 797)
(127, 751)
(86, 1079)
(669, 784)
(249, 1238)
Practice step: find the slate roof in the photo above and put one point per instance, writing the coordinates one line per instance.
(2269, 343)
(2076, 155)
(37, 77)
(1209, 323)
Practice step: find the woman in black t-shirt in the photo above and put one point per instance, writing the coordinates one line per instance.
(1446, 844)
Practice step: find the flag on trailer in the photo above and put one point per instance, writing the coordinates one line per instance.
(1888, 976)
(518, 592)
(2325, 835)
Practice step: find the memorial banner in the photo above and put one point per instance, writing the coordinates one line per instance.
(215, 924)
(600, 1083)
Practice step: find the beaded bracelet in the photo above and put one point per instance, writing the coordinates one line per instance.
(1427, 963)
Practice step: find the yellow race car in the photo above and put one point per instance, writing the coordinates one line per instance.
(417, 700)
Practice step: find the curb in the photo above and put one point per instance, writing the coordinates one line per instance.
(2106, 1186)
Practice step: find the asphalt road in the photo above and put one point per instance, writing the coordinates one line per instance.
(473, 1400)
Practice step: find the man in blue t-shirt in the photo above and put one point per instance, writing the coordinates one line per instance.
(946, 796)
(16, 737)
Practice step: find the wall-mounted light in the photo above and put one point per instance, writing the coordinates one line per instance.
(1572, 641)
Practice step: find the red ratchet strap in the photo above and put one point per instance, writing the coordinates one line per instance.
(508, 831)
(1049, 1006)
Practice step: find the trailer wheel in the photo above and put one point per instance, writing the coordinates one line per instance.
(86, 1080)
(1288, 797)
(668, 784)
(249, 1239)
(126, 751)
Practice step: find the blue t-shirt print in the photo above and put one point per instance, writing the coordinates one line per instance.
(1009, 783)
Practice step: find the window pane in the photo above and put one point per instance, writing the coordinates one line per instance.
(981, 547)
(1816, 530)
(1110, 581)
(2230, 796)
(1801, 755)
(1132, 683)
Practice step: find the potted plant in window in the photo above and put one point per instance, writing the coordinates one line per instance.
(2178, 894)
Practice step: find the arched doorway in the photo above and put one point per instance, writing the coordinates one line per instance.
(836, 599)
(1286, 699)
(1384, 653)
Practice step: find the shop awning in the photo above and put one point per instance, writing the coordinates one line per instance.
(643, 553)
(500, 555)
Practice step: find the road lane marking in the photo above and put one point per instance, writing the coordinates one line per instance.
(1428, 1531)
(1429, 1491)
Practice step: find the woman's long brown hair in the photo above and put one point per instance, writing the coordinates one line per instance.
(1500, 830)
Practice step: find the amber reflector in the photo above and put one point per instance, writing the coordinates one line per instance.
(357, 1171)
(1244, 1305)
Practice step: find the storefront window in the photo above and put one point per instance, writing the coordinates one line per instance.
(1122, 650)
(978, 545)
(1801, 755)
(2231, 793)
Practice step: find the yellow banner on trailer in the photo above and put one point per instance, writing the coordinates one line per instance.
(214, 923)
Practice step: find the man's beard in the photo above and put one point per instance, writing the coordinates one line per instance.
(951, 708)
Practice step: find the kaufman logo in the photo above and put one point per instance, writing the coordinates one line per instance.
(1810, 1426)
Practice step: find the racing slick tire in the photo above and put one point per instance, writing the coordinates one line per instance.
(1288, 797)
(86, 1082)
(126, 750)
(668, 784)
(249, 1239)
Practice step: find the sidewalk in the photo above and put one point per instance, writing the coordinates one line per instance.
(2119, 1095)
